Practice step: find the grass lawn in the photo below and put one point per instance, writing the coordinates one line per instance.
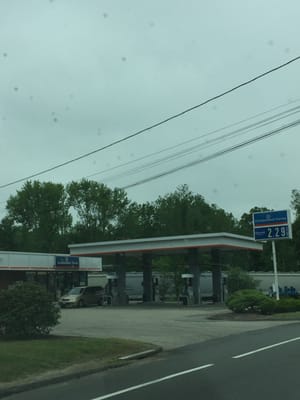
(290, 315)
(21, 358)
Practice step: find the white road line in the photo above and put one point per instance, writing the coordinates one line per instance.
(165, 378)
(266, 348)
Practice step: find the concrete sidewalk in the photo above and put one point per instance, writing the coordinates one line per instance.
(166, 326)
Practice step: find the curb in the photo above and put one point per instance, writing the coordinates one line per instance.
(121, 361)
(143, 354)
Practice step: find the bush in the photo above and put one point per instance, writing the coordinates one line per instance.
(27, 310)
(267, 306)
(287, 305)
(237, 279)
(250, 300)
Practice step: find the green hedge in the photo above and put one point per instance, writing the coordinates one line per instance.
(250, 300)
(287, 305)
(27, 310)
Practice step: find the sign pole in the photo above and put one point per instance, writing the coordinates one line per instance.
(275, 269)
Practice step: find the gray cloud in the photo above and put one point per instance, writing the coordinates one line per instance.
(77, 75)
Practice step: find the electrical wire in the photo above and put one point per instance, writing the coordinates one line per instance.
(209, 143)
(155, 125)
(122, 165)
(215, 155)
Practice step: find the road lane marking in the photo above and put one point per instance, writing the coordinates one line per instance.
(165, 378)
(266, 348)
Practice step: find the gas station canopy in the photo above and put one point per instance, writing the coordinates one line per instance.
(168, 244)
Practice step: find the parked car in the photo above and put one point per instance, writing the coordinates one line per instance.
(82, 296)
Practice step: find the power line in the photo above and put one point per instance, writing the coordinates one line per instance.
(216, 154)
(192, 140)
(180, 114)
(209, 143)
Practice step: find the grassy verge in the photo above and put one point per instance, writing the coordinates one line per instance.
(294, 316)
(23, 358)
(231, 316)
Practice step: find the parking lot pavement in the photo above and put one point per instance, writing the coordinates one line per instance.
(169, 327)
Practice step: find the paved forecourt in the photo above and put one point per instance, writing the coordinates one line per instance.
(169, 327)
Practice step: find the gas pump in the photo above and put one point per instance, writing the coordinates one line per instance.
(187, 296)
(111, 289)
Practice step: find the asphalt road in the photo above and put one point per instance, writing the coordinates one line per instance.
(255, 365)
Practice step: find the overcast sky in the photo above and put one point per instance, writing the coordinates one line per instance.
(77, 75)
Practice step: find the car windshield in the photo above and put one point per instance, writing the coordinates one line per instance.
(76, 290)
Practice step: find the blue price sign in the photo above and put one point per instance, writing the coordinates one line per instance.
(272, 232)
(272, 225)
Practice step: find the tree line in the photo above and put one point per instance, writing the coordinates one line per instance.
(47, 216)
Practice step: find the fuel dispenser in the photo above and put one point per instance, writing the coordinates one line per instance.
(111, 289)
(187, 296)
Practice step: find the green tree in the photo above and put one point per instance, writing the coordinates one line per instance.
(237, 279)
(40, 213)
(295, 243)
(137, 221)
(295, 202)
(183, 212)
(8, 235)
(97, 207)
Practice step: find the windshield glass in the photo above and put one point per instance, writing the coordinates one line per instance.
(76, 290)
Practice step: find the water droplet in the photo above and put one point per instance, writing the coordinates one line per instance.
(105, 15)
(287, 50)
(250, 157)
(55, 120)
(4, 54)
(16, 89)
(124, 59)
(271, 42)
(31, 98)
(151, 24)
